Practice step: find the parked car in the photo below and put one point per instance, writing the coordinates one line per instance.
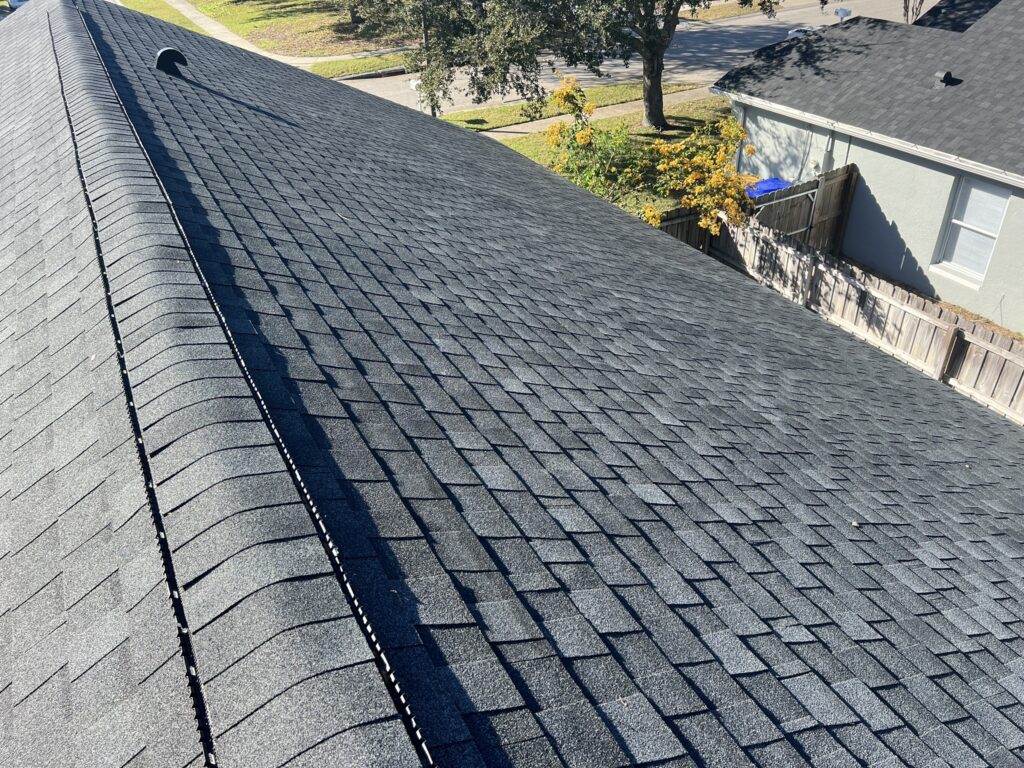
(15, 4)
(796, 32)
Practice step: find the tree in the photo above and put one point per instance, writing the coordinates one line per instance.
(646, 29)
(503, 46)
(442, 26)
(911, 10)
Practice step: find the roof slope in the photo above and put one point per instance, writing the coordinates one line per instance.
(593, 492)
(95, 654)
(956, 15)
(90, 668)
(880, 76)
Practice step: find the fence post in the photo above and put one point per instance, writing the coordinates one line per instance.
(808, 286)
(946, 347)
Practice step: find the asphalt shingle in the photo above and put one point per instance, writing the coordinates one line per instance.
(583, 482)
(881, 76)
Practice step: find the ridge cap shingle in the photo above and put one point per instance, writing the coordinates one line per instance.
(161, 307)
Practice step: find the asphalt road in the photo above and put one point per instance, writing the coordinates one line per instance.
(701, 52)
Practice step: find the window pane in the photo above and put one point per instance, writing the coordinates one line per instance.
(968, 249)
(981, 205)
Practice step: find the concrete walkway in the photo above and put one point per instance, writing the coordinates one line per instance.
(216, 30)
(614, 110)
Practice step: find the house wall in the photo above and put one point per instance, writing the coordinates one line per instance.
(899, 212)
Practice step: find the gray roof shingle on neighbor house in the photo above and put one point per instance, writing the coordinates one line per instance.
(592, 491)
(956, 15)
(880, 76)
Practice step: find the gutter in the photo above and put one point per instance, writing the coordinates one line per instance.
(943, 158)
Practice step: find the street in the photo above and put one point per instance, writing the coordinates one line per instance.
(701, 51)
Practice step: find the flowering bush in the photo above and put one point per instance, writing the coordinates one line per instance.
(602, 161)
(698, 170)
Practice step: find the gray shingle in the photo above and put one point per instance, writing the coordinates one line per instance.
(581, 475)
(879, 76)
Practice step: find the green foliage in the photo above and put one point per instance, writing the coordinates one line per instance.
(504, 45)
(696, 171)
(700, 171)
(599, 160)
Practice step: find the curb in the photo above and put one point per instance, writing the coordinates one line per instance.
(370, 75)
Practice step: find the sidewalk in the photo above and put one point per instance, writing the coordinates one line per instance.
(615, 110)
(216, 30)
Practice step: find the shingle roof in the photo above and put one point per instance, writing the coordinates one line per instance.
(881, 76)
(956, 15)
(592, 494)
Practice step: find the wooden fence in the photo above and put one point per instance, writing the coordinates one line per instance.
(813, 213)
(682, 225)
(972, 358)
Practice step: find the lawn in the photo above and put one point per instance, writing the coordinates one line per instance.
(489, 118)
(293, 27)
(161, 10)
(358, 66)
(683, 117)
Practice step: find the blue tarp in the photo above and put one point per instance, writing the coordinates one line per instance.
(764, 186)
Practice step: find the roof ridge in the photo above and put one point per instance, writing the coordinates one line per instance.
(68, 41)
(161, 304)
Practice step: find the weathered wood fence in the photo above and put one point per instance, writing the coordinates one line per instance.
(972, 358)
(814, 212)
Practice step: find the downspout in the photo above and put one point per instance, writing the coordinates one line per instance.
(743, 123)
(828, 160)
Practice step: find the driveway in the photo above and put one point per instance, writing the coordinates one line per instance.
(701, 52)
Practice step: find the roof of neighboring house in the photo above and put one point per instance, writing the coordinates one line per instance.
(334, 435)
(955, 15)
(880, 76)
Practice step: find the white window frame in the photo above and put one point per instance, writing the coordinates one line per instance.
(952, 225)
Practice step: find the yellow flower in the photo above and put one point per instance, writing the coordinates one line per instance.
(584, 137)
(554, 134)
(651, 215)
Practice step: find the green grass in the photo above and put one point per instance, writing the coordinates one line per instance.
(292, 27)
(489, 118)
(161, 10)
(359, 66)
(684, 118)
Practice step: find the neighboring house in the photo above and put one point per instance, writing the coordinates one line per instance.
(335, 436)
(940, 203)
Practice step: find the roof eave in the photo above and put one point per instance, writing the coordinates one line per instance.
(944, 158)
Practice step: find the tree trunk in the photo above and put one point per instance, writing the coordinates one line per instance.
(654, 100)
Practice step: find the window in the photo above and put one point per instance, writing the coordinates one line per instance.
(974, 225)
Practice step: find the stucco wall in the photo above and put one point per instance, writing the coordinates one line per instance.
(899, 214)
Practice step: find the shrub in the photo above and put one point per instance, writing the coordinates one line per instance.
(698, 171)
(602, 161)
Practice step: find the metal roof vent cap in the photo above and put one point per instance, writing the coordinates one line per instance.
(942, 79)
(169, 59)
